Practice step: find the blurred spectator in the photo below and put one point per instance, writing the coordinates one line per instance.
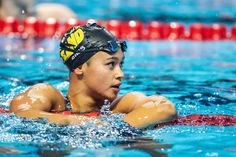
(24, 8)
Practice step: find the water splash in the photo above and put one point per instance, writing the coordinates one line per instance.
(47, 135)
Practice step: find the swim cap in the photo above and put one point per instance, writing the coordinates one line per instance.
(80, 43)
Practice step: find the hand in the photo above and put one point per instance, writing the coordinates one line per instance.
(159, 101)
(155, 109)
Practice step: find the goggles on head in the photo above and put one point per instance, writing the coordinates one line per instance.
(111, 47)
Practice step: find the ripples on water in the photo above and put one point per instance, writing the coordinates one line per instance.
(45, 137)
(203, 83)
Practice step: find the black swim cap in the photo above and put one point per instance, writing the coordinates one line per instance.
(80, 43)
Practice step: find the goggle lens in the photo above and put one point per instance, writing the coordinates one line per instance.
(113, 46)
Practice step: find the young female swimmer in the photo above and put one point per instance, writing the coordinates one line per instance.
(94, 57)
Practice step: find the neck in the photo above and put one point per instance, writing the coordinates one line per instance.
(79, 98)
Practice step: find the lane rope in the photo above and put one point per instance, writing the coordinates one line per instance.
(32, 27)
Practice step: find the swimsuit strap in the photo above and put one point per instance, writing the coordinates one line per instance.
(89, 114)
(68, 111)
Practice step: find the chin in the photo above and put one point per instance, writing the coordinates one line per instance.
(111, 97)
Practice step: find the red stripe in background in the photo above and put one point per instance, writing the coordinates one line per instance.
(128, 30)
(193, 119)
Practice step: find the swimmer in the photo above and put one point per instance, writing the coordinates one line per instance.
(94, 58)
(25, 8)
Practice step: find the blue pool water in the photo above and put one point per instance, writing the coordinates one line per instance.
(199, 77)
(186, 11)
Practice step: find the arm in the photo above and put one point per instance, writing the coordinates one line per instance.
(143, 111)
(41, 99)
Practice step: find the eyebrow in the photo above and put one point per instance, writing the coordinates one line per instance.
(116, 58)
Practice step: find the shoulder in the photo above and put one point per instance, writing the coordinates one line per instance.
(133, 97)
(127, 102)
(43, 88)
(134, 94)
(42, 95)
(39, 90)
(133, 100)
(128, 97)
(46, 90)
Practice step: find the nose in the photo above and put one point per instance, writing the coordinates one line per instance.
(119, 73)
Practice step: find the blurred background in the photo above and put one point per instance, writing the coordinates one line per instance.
(205, 11)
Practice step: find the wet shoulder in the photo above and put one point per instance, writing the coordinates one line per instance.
(50, 93)
(44, 90)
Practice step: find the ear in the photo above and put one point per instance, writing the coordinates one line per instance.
(78, 70)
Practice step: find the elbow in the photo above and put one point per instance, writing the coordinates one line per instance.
(172, 108)
(164, 106)
(170, 111)
(173, 113)
(165, 111)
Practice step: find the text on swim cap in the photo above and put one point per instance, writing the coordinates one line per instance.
(75, 38)
(65, 54)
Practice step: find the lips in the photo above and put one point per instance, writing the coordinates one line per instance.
(116, 88)
(116, 85)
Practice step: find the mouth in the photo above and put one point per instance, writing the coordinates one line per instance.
(116, 85)
(116, 88)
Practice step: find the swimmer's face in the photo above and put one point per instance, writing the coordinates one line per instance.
(103, 75)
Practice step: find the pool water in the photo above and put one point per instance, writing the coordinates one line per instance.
(199, 77)
(186, 11)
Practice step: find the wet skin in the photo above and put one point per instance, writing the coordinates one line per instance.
(90, 84)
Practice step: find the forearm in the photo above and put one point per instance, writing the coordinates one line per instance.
(151, 113)
(54, 117)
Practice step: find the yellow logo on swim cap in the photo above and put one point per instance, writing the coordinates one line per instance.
(75, 38)
(65, 54)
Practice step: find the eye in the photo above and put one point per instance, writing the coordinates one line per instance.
(111, 65)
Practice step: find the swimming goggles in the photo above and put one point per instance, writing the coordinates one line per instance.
(111, 47)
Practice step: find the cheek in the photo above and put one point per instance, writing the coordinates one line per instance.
(98, 76)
